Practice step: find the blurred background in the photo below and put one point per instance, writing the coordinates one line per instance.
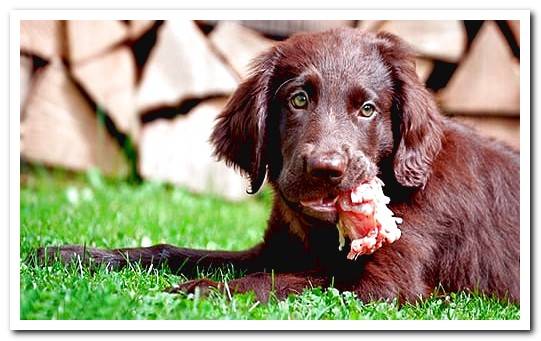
(137, 99)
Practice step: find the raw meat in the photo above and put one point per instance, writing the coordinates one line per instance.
(365, 218)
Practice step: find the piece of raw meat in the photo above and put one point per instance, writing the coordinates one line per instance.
(365, 218)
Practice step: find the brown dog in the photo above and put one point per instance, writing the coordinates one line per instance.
(323, 112)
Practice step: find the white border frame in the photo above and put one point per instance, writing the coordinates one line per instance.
(14, 138)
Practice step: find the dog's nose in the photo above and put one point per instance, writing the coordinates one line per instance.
(326, 166)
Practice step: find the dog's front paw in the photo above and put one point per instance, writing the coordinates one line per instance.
(63, 254)
(74, 254)
(202, 286)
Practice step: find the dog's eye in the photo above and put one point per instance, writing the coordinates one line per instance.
(300, 100)
(368, 109)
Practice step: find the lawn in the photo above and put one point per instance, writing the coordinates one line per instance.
(64, 208)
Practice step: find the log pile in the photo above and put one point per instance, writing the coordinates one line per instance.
(87, 86)
(475, 76)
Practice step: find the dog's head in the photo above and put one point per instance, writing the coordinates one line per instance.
(321, 112)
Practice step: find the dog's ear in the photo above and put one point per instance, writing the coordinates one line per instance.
(416, 118)
(240, 136)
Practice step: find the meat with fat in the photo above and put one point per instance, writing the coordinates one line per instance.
(366, 220)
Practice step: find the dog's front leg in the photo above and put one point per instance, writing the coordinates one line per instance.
(179, 260)
(263, 284)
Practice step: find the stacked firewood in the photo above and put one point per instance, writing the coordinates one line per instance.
(89, 88)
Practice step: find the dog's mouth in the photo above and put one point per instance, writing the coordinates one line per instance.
(322, 208)
(321, 204)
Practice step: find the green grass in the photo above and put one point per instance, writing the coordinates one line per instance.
(61, 208)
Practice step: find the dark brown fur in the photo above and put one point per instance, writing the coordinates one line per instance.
(457, 192)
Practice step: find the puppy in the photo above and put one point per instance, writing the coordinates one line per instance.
(322, 113)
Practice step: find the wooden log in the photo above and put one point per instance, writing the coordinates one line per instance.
(284, 28)
(239, 45)
(26, 79)
(487, 81)
(89, 38)
(181, 66)
(178, 151)
(515, 28)
(43, 38)
(439, 39)
(504, 129)
(424, 68)
(136, 28)
(370, 25)
(110, 80)
(60, 128)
